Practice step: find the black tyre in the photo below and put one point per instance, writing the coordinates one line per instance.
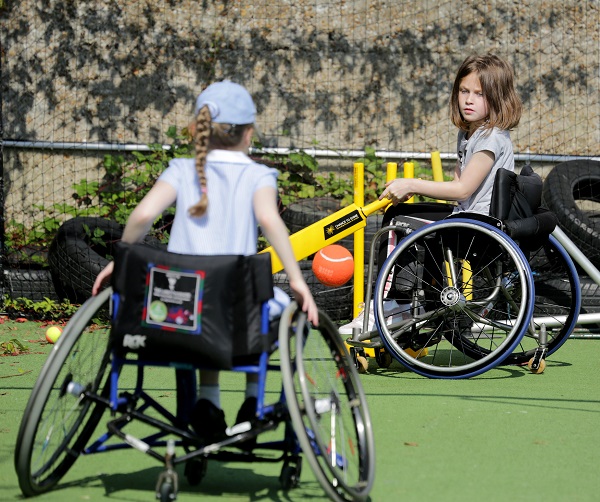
(195, 470)
(327, 406)
(59, 419)
(590, 295)
(33, 284)
(167, 492)
(82, 247)
(565, 188)
(335, 302)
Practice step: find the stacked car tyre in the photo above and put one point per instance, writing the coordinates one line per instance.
(566, 189)
(31, 283)
(82, 247)
(571, 190)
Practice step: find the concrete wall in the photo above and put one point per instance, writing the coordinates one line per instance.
(338, 74)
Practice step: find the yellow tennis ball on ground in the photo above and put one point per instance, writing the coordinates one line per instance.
(52, 334)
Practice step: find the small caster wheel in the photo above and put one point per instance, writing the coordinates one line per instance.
(383, 358)
(166, 492)
(359, 360)
(538, 368)
(167, 484)
(195, 470)
(362, 365)
(290, 474)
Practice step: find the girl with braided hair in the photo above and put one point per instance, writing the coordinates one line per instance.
(221, 197)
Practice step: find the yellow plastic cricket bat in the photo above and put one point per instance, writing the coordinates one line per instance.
(327, 231)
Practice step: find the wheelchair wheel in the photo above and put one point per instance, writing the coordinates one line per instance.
(327, 405)
(557, 300)
(59, 420)
(466, 291)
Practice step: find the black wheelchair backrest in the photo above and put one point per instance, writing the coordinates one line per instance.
(516, 201)
(516, 196)
(180, 308)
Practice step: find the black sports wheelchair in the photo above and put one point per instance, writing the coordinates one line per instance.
(191, 312)
(458, 296)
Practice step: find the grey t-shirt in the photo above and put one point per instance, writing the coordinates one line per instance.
(493, 140)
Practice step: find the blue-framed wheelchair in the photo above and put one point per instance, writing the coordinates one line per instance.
(186, 313)
(459, 296)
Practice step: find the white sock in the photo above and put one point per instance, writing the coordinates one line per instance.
(251, 389)
(212, 393)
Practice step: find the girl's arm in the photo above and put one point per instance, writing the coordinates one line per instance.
(159, 198)
(460, 188)
(267, 214)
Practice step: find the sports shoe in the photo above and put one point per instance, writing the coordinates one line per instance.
(358, 322)
(208, 421)
(396, 312)
(247, 413)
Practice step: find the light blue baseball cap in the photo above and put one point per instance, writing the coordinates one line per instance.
(228, 102)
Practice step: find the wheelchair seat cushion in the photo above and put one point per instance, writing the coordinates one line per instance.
(177, 308)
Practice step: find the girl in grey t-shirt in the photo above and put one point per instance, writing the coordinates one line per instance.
(484, 105)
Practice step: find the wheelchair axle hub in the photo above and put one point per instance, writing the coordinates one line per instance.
(451, 297)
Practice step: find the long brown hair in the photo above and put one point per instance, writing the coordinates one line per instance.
(496, 77)
(209, 135)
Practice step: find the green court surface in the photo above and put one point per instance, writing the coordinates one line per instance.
(506, 435)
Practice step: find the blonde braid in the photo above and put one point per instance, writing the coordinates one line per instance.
(201, 141)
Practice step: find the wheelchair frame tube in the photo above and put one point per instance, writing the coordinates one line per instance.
(583, 261)
(577, 255)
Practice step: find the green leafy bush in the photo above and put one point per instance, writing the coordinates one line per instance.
(45, 310)
(127, 179)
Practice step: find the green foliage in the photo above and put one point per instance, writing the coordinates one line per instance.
(375, 174)
(302, 178)
(96, 237)
(125, 182)
(45, 310)
(13, 347)
(299, 178)
(24, 244)
(128, 180)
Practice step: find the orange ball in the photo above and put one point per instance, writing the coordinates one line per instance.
(333, 265)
